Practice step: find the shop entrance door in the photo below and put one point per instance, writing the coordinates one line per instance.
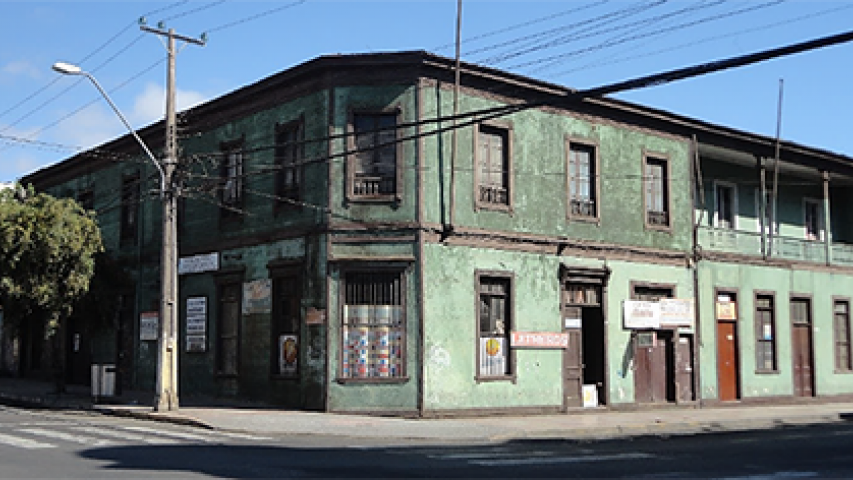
(727, 366)
(584, 359)
(801, 351)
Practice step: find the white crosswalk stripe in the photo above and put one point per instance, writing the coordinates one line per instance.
(127, 436)
(68, 437)
(20, 442)
(169, 433)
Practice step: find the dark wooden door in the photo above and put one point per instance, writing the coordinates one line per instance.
(802, 356)
(573, 370)
(684, 368)
(727, 365)
(650, 368)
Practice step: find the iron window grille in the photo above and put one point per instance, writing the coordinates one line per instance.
(373, 325)
(288, 158)
(656, 192)
(129, 210)
(841, 320)
(495, 325)
(582, 181)
(765, 339)
(493, 175)
(375, 160)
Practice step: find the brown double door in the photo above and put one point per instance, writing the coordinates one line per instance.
(663, 367)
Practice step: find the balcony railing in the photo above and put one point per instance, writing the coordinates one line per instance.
(372, 186)
(788, 248)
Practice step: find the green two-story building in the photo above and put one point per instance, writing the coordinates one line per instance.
(352, 239)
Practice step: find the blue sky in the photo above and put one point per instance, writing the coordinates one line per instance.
(45, 118)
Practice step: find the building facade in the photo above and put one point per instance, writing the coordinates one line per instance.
(348, 245)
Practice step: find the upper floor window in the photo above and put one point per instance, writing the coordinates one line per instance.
(494, 318)
(724, 202)
(232, 178)
(129, 209)
(288, 158)
(656, 180)
(493, 174)
(583, 191)
(374, 163)
(813, 219)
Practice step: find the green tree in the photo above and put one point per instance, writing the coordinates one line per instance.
(47, 259)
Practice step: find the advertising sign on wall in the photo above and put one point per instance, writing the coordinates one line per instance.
(149, 326)
(676, 312)
(196, 324)
(288, 354)
(641, 314)
(257, 296)
(206, 262)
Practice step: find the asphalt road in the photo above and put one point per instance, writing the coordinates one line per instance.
(45, 444)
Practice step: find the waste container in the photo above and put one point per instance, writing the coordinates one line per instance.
(103, 380)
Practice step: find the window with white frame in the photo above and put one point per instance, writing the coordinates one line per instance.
(656, 179)
(493, 166)
(373, 324)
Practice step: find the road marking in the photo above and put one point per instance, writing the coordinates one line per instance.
(127, 436)
(23, 442)
(241, 436)
(557, 460)
(97, 442)
(168, 433)
(774, 475)
(485, 455)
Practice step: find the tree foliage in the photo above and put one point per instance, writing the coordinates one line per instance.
(47, 255)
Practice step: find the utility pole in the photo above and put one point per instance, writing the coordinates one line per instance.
(166, 395)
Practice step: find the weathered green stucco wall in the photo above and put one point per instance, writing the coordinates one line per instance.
(539, 157)
(820, 286)
(451, 330)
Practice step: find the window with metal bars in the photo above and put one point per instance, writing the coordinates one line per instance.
(765, 334)
(493, 166)
(129, 209)
(288, 155)
(841, 321)
(495, 324)
(656, 192)
(583, 196)
(231, 193)
(374, 163)
(373, 324)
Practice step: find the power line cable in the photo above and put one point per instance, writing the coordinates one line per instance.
(256, 16)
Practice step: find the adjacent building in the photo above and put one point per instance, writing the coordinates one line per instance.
(348, 245)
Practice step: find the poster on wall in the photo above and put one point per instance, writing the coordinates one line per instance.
(641, 315)
(677, 312)
(196, 324)
(257, 296)
(149, 326)
(492, 356)
(288, 354)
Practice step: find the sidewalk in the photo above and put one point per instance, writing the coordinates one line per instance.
(265, 420)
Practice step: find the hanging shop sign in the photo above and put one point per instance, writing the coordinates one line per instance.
(206, 262)
(539, 340)
(149, 326)
(257, 296)
(676, 312)
(196, 324)
(641, 314)
(288, 354)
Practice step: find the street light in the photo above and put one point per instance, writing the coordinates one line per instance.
(166, 397)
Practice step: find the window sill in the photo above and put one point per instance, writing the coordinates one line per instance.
(767, 372)
(842, 372)
(494, 207)
(391, 198)
(659, 228)
(372, 380)
(503, 378)
(580, 218)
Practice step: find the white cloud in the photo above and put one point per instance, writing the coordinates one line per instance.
(89, 127)
(150, 105)
(22, 68)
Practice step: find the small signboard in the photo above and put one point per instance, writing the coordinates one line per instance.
(539, 340)
(641, 314)
(206, 262)
(315, 316)
(726, 310)
(196, 324)
(676, 312)
(149, 326)
(288, 354)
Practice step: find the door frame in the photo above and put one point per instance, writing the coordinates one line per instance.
(594, 276)
(812, 377)
(736, 322)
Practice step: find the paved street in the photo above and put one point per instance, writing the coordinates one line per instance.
(45, 444)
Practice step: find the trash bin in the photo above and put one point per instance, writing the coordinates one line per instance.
(103, 380)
